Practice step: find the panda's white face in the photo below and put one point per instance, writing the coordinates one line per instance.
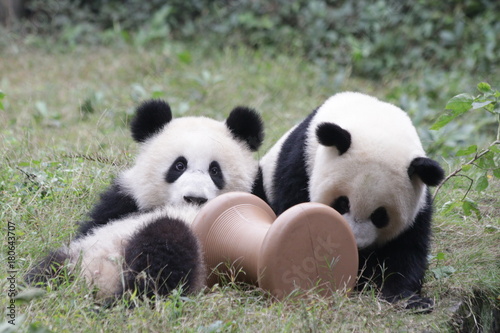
(194, 181)
(368, 183)
(376, 199)
(191, 160)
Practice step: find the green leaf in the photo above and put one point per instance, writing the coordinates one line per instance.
(440, 256)
(455, 106)
(482, 183)
(469, 206)
(487, 161)
(478, 105)
(484, 87)
(496, 173)
(492, 108)
(443, 271)
(467, 151)
(449, 206)
(466, 208)
(442, 121)
(460, 103)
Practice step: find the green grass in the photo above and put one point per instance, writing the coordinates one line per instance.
(64, 135)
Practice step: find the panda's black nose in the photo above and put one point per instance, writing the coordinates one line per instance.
(195, 200)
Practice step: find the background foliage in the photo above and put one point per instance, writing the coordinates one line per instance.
(369, 38)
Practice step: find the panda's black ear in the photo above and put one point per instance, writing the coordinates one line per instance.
(330, 134)
(427, 170)
(150, 117)
(246, 125)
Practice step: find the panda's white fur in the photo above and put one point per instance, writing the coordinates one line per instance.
(383, 138)
(139, 233)
(200, 140)
(367, 153)
(100, 254)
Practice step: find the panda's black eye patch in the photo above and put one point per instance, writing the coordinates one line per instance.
(341, 205)
(176, 169)
(215, 173)
(380, 218)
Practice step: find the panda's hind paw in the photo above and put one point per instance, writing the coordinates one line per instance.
(418, 304)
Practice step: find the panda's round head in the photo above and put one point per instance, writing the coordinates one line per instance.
(367, 162)
(191, 159)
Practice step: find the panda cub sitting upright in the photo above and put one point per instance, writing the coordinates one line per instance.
(139, 235)
(204, 157)
(362, 157)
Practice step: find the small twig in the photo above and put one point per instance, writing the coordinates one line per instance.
(94, 158)
(31, 177)
(470, 185)
(498, 130)
(454, 173)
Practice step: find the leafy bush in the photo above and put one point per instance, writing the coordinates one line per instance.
(369, 38)
(482, 163)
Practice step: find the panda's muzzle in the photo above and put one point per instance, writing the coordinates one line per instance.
(195, 200)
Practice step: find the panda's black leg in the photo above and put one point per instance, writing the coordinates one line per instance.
(398, 284)
(162, 256)
(411, 301)
(395, 289)
(49, 268)
(113, 204)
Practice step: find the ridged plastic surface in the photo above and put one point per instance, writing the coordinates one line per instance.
(308, 246)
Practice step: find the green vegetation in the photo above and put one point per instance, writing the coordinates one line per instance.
(67, 91)
(484, 161)
(369, 38)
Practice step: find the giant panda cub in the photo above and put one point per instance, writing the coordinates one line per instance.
(364, 158)
(139, 234)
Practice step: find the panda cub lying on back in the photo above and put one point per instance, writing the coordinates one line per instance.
(362, 157)
(139, 234)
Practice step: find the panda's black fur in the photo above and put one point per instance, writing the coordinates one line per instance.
(398, 267)
(113, 204)
(138, 235)
(319, 160)
(290, 179)
(156, 248)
